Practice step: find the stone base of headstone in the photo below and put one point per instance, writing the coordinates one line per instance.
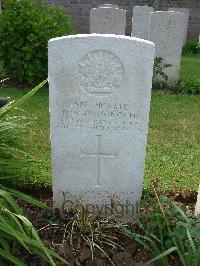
(113, 207)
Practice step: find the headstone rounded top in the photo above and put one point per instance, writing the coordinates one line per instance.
(97, 37)
(181, 9)
(165, 12)
(108, 6)
(168, 13)
(142, 6)
(143, 9)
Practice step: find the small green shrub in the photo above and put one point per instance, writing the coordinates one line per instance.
(25, 28)
(169, 231)
(191, 48)
(160, 85)
(160, 78)
(188, 86)
(159, 69)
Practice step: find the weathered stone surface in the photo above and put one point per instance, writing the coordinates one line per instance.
(100, 90)
(185, 11)
(167, 32)
(140, 21)
(108, 19)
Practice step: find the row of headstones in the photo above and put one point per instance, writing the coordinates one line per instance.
(167, 29)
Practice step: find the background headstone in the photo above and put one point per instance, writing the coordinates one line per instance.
(100, 91)
(108, 5)
(185, 11)
(140, 21)
(108, 20)
(197, 207)
(167, 32)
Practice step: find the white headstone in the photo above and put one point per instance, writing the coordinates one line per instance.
(108, 19)
(140, 21)
(167, 32)
(100, 91)
(185, 11)
(197, 207)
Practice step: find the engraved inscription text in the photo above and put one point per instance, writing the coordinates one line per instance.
(100, 115)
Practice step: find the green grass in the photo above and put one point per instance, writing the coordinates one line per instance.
(37, 141)
(173, 151)
(173, 144)
(190, 66)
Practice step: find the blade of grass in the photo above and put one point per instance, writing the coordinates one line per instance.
(164, 254)
(9, 107)
(26, 197)
(11, 258)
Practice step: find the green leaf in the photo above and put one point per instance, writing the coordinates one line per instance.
(25, 197)
(16, 104)
(164, 254)
(11, 258)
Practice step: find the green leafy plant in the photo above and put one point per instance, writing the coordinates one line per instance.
(191, 47)
(79, 226)
(17, 234)
(169, 232)
(160, 78)
(25, 28)
(151, 243)
(19, 240)
(96, 233)
(188, 86)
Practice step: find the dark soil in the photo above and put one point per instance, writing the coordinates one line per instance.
(76, 251)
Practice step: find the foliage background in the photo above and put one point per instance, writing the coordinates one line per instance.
(25, 29)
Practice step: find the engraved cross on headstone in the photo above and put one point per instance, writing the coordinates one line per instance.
(99, 155)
